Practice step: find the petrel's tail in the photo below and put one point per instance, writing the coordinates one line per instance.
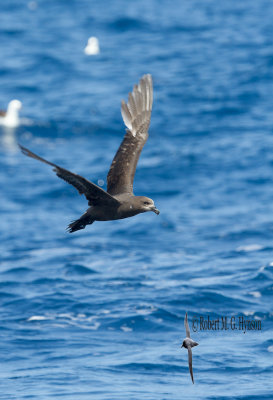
(80, 223)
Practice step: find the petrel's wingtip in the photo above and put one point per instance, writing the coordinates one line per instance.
(147, 76)
(23, 149)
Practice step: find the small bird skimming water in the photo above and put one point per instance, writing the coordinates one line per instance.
(188, 343)
(118, 201)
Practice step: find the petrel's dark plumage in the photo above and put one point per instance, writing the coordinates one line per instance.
(188, 343)
(118, 201)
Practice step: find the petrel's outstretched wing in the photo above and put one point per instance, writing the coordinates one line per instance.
(188, 334)
(190, 362)
(136, 115)
(93, 193)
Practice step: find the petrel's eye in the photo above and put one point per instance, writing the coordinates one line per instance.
(146, 203)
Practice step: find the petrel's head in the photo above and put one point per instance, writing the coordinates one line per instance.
(145, 204)
(189, 342)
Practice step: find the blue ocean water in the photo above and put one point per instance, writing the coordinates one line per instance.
(99, 314)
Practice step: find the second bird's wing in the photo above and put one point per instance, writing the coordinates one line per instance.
(188, 334)
(190, 362)
(93, 193)
(136, 115)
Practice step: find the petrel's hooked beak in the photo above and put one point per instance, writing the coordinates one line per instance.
(155, 210)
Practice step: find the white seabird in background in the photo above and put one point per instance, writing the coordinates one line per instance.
(92, 48)
(10, 118)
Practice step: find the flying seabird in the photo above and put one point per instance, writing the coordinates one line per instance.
(188, 343)
(118, 201)
(10, 118)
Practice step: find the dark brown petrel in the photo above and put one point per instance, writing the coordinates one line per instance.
(118, 201)
(188, 343)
